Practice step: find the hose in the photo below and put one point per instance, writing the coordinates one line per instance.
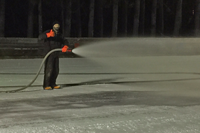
(37, 74)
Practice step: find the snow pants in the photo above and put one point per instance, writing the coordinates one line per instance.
(51, 70)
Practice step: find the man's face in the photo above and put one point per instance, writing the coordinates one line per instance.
(56, 27)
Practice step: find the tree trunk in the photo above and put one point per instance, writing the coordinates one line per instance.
(79, 18)
(125, 17)
(2, 18)
(115, 18)
(136, 18)
(91, 19)
(62, 2)
(30, 18)
(197, 19)
(68, 18)
(101, 17)
(40, 16)
(178, 19)
(161, 16)
(142, 16)
(153, 18)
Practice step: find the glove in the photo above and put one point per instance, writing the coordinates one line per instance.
(65, 49)
(50, 34)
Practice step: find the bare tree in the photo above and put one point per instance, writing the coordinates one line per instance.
(178, 19)
(91, 19)
(68, 18)
(197, 18)
(136, 18)
(40, 16)
(101, 20)
(142, 16)
(79, 18)
(125, 17)
(161, 17)
(115, 18)
(62, 2)
(30, 18)
(153, 18)
(2, 18)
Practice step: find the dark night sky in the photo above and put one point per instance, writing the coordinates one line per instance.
(17, 15)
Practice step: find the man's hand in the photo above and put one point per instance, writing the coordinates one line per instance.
(50, 34)
(66, 49)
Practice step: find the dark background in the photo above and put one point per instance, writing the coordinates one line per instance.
(16, 17)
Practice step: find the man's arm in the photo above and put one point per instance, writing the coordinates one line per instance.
(44, 35)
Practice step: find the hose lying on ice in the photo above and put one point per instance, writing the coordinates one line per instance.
(37, 74)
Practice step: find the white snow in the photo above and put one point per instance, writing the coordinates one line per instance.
(155, 94)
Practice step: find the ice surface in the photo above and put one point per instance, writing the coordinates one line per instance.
(149, 94)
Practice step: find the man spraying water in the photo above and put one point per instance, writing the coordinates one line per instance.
(52, 39)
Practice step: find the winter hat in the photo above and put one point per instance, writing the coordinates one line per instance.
(56, 22)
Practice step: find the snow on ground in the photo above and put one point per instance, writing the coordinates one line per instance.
(149, 94)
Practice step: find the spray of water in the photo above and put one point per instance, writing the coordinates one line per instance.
(128, 47)
(109, 48)
(137, 54)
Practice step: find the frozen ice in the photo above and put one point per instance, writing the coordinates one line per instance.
(134, 94)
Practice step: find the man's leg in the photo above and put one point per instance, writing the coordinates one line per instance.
(48, 72)
(55, 72)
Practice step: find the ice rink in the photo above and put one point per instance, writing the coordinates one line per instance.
(133, 94)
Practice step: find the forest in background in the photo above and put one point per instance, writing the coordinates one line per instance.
(101, 18)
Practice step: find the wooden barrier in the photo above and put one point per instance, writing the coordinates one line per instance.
(32, 48)
(25, 48)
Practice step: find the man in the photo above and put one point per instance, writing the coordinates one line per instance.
(52, 39)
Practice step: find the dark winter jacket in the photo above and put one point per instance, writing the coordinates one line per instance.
(51, 43)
